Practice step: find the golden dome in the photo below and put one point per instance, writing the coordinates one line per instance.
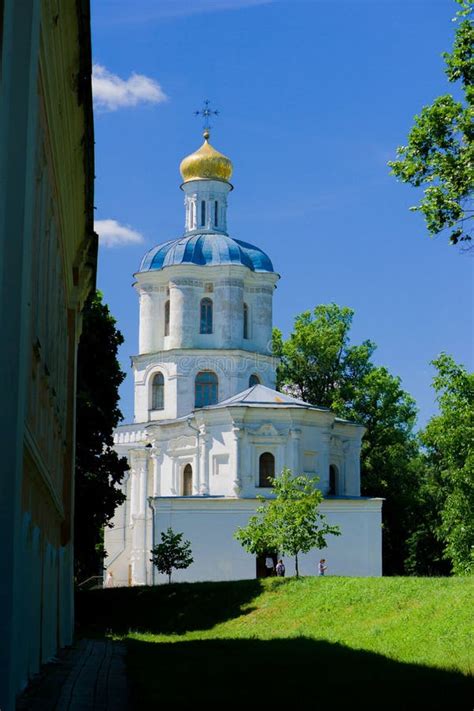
(206, 164)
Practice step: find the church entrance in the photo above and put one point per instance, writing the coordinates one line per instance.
(266, 564)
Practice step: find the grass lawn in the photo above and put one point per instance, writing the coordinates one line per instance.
(332, 642)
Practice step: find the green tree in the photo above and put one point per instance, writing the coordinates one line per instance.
(172, 553)
(290, 523)
(98, 467)
(440, 151)
(449, 442)
(319, 364)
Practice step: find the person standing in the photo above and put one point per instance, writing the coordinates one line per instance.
(269, 566)
(322, 567)
(280, 569)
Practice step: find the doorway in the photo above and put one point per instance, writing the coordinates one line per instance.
(264, 569)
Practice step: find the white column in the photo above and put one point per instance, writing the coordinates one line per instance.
(139, 518)
(237, 484)
(133, 493)
(296, 446)
(157, 461)
(351, 484)
(205, 442)
(323, 462)
(143, 472)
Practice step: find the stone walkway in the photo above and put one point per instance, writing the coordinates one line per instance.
(90, 676)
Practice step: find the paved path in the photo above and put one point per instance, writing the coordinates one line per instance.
(90, 676)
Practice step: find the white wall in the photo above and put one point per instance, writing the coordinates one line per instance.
(179, 369)
(228, 286)
(210, 525)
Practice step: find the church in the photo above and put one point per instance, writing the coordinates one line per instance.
(210, 430)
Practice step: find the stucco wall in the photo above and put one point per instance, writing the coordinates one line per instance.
(210, 526)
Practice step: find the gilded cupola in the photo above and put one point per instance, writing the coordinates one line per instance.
(206, 164)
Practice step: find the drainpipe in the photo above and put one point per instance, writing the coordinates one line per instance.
(151, 504)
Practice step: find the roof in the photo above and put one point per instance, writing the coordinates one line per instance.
(260, 395)
(208, 249)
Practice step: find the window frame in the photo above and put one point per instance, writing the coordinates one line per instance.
(206, 319)
(333, 488)
(204, 387)
(263, 482)
(246, 322)
(154, 400)
(167, 310)
(187, 469)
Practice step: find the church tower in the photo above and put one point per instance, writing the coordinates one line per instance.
(210, 431)
(205, 304)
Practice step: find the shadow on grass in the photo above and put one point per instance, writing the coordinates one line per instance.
(293, 670)
(174, 609)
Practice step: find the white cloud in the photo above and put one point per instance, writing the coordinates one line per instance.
(151, 10)
(113, 234)
(111, 92)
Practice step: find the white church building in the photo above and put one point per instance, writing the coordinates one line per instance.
(210, 429)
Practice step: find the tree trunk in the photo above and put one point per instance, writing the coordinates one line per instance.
(169, 577)
(296, 566)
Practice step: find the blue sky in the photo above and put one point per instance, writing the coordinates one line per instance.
(314, 97)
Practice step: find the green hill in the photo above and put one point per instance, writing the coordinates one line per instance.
(383, 642)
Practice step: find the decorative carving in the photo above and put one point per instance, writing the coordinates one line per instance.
(182, 442)
(267, 430)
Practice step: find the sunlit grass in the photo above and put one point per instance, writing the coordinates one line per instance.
(392, 633)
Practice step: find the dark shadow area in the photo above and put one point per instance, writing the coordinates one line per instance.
(165, 609)
(299, 670)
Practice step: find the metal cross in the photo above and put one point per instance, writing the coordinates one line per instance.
(206, 113)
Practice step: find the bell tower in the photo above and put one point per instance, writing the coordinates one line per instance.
(205, 304)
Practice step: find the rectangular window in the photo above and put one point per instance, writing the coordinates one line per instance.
(203, 213)
(216, 213)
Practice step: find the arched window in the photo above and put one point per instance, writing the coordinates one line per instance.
(187, 480)
(158, 392)
(333, 483)
(246, 321)
(206, 316)
(205, 387)
(216, 213)
(266, 469)
(254, 380)
(203, 213)
(167, 318)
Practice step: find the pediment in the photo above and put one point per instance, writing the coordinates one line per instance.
(182, 442)
(267, 429)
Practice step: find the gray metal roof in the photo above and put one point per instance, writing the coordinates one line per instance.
(260, 395)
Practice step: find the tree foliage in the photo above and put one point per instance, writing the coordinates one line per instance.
(98, 467)
(449, 442)
(320, 365)
(290, 523)
(172, 553)
(440, 151)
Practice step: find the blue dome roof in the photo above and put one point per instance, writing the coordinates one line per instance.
(206, 250)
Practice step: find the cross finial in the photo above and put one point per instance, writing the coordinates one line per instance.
(206, 112)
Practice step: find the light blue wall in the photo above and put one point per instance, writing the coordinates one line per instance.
(18, 121)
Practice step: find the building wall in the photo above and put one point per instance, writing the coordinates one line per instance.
(223, 448)
(179, 369)
(47, 266)
(210, 526)
(228, 287)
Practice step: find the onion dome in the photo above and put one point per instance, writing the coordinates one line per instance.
(206, 250)
(206, 164)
